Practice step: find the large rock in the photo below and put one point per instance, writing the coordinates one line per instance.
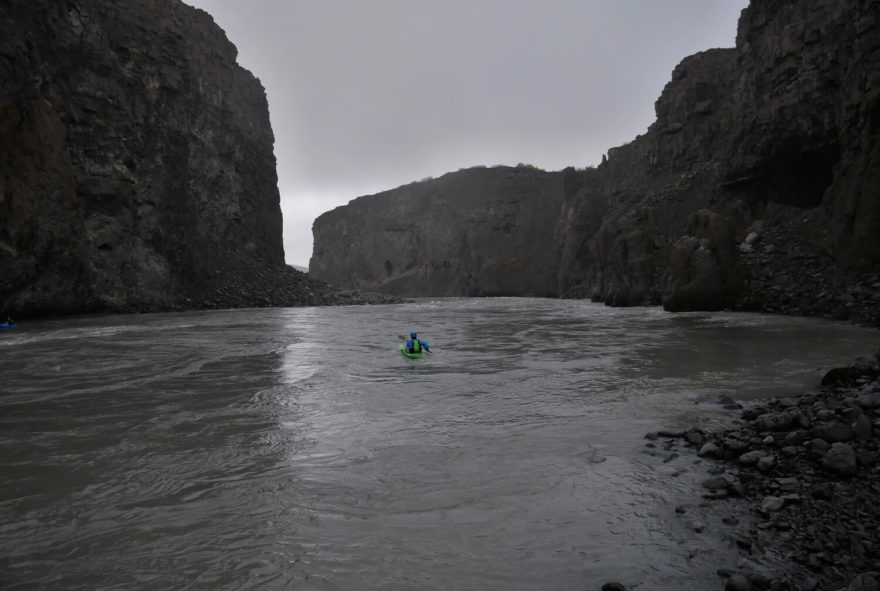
(137, 163)
(702, 272)
(841, 459)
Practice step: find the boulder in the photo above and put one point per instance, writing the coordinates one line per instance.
(708, 450)
(840, 459)
(834, 432)
(778, 421)
(772, 504)
(841, 376)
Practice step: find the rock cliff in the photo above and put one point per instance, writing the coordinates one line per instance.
(755, 188)
(136, 164)
(475, 232)
(757, 185)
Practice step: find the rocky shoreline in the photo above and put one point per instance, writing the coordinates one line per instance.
(793, 486)
(286, 287)
(787, 271)
(264, 288)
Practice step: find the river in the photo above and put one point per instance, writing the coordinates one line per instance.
(295, 448)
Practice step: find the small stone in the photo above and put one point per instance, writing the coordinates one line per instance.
(734, 444)
(766, 463)
(708, 450)
(792, 438)
(751, 457)
(864, 582)
(613, 586)
(780, 421)
(738, 582)
(834, 432)
(672, 433)
(840, 459)
(772, 504)
(863, 427)
(694, 438)
(869, 400)
(717, 483)
(822, 490)
(818, 446)
(788, 484)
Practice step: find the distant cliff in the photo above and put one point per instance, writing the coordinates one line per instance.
(476, 232)
(136, 164)
(757, 187)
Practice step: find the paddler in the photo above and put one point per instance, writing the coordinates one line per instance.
(415, 344)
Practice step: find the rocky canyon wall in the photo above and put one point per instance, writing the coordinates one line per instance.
(475, 232)
(136, 163)
(757, 187)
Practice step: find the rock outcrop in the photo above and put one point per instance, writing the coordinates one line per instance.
(774, 139)
(475, 232)
(755, 188)
(136, 164)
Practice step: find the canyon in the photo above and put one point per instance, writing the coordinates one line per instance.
(756, 188)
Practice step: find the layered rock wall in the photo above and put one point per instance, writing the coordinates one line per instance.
(476, 232)
(136, 162)
(775, 140)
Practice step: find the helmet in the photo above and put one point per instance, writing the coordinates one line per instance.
(412, 335)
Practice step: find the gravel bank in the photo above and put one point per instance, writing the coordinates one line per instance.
(796, 483)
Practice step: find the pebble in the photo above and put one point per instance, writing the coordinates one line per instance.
(841, 459)
(708, 450)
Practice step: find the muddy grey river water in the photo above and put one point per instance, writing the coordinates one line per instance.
(295, 448)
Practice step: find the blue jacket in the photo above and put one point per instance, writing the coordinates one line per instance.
(423, 344)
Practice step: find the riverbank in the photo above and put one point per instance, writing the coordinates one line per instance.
(793, 486)
(787, 271)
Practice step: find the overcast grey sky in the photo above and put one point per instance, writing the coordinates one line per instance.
(368, 95)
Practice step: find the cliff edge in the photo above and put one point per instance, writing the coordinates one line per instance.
(136, 164)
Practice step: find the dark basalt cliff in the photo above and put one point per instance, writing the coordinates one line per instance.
(475, 232)
(136, 164)
(757, 187)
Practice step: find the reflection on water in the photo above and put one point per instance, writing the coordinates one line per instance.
(297, 447)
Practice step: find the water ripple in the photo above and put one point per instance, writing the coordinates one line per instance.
(296, 448)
